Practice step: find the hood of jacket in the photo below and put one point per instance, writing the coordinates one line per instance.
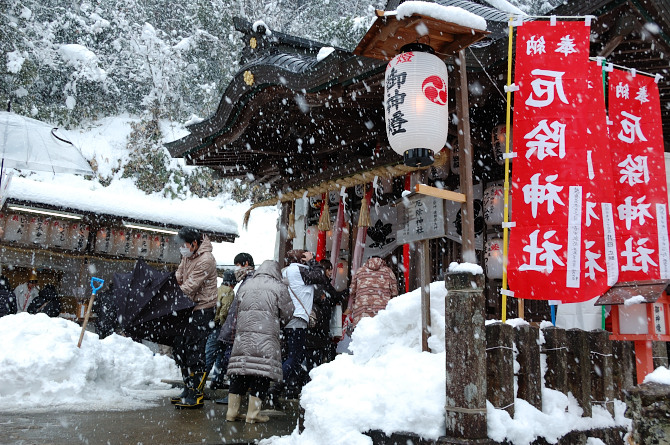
(374, 263)
(205, 246)
(270, 268)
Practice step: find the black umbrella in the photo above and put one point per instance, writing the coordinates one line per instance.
(150, 304)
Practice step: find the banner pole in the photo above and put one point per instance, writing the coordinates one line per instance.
(507, 135)
(603, 312)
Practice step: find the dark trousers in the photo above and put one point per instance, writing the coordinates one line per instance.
(217, 356)
(295, 349)
(189, 347)
(257, 385)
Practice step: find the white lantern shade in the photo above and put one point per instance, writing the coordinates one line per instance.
(416, 110)
(122, 243)
(16, 228)
(494, 258)
(104, 241)
(38, 230)
(58, 236)
(494, 205)
(78, 236)
(341, 275)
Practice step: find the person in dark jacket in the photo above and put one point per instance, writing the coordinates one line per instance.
(47, 302)
(7, 297)
(319, 347)
(196, 276)
(264, 305)
(215, 350)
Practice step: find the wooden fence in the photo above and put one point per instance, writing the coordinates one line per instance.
(585, 363)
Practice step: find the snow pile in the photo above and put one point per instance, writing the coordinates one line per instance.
(41, 368)
(660, 375)
(637, 299)
(388, 384)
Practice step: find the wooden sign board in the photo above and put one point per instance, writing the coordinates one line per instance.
(420, 217)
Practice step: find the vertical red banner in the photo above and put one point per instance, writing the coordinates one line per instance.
(641, 203)
(561, 172)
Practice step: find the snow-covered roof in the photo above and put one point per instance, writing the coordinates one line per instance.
(450, 14)
(122, 199)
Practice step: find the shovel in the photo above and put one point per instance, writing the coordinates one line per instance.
(96, 284)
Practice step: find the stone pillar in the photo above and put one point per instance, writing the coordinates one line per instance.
(602, 387)
(465, 343)
(529, 377)
(500, 366)
(555, 348)
(623, 373)
(579, 368)
(649, 408)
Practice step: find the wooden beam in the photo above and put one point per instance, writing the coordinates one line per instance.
(465, 161)
(611, 46)
(439, 193)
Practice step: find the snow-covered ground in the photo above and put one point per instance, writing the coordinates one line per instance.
(41, 368)
(387, 384)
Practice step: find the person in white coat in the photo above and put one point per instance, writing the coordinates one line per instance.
(26, 293)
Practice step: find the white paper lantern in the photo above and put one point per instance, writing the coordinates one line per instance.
(16, 228)
(415, 106)
(104, 241)
(494, 258)
(78, 236)
(38, 230)
(58, 236)
(341, 275)
(494, 205)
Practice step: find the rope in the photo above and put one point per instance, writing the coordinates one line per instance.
(457, 409)
(499, 347)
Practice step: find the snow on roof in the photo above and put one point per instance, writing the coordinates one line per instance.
(451, 14)
(121, 199)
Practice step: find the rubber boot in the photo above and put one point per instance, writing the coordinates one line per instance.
(234, 401)
(254, 411)
(177, 399)
(194, 398)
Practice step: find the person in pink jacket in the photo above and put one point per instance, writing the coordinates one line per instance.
(196, 276)
(372, 286)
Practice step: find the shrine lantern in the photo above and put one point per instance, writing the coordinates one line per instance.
(639, 313)
(494, 259)
(494, 205)
(415, 104)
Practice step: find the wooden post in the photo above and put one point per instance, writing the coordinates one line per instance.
(602, 387)
(579, 369)
(555, 348)
(415, 260)
(424, 275)
(465, 161)
(465, 341)
(500, 366)
(624, 366)
(529, 376)
(283, 233)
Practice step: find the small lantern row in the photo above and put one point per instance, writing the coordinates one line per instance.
(73, 236)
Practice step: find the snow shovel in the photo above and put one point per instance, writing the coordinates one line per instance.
(96, 284)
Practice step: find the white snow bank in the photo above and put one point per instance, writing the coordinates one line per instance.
(660, 375)
(388, 384)
(450, 14)
(41, 368)
(122, 198)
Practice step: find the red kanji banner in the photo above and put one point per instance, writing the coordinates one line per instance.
(561, 174)
(641, 202)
